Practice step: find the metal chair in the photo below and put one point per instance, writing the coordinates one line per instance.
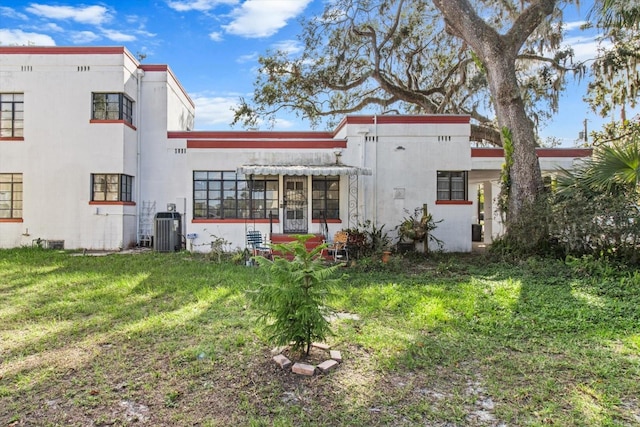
(338, 247)
(257, 246)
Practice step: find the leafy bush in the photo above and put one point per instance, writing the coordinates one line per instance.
(293, 303)
(367, 239)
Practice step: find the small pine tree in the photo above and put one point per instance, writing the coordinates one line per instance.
(292, 304)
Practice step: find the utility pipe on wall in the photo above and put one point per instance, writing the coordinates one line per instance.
(139, 76)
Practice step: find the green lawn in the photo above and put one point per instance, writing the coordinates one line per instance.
(171, 340)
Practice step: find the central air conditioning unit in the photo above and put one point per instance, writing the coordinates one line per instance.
(166, 232)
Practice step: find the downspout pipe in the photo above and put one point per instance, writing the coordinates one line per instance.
(138, 178)
(375, 170)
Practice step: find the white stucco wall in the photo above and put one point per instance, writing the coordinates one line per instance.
(405, 159)
(61, 148)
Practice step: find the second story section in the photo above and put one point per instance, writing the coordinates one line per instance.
(86, 102)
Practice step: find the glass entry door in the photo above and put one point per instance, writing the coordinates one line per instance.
(295, 204)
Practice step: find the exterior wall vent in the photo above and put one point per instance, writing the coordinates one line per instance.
(444, 138)
(26, 68)
(82, 68)
(55, 244)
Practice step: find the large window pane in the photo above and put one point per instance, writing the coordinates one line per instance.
(11, 115)
(452, 185)
(111, 187)
(241, 197)
(11, 195)
(325, 197)
(112, 106)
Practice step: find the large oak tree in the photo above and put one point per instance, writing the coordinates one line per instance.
(500, 61)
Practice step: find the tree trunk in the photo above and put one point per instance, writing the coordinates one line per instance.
(526, 178)
(497, 53)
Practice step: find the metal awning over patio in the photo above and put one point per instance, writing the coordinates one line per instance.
(332, 169)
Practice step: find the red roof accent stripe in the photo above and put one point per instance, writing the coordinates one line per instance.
(541, 152)
(273, 144)
(89, 50)
(156, 67)
(404, 119)
(250, 134)
(61, 50)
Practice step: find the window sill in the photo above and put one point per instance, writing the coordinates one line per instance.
(11, 138)
(11, 220)
(107, 202)
(232, 221)
(454, 202)
(113, 121)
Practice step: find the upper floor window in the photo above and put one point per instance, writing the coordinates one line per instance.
(452, 185)
(228, 195)
(10, 195)
(107, 187)
(325, 197)
(11, 115)
(112, 106)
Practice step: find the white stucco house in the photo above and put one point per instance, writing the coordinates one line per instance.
(96, 147)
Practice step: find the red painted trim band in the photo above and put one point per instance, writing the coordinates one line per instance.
(122, 122)
(110, 202)
(11, 138)
(11, 220)
(403, 119)
(541, 152)
(454, 202)
(297, 144)
(250, 134)
(61, 50)
(232, 221)
(329, 221)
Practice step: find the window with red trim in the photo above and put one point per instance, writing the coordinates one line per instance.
(230, 195)
(111, 187)
(452, 185)
(112, 106)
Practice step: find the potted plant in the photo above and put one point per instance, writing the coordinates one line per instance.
(416, 228)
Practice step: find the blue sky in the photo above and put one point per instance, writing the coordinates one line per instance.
(212, 46)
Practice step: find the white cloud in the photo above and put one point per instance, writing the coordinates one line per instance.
(12, 13)
(21, 38)
(575, 25)
(214, 111)
(133, 19)
(53, 27)
(247, 58)
(117, 36)
(94, 15)
(144, 33)
(259, 18)
(84, 37)
(288, 46)
(585, 48)
(284, 124)
(199, 5)
(215, 36)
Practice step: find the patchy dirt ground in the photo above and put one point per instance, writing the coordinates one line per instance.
(136, 387)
